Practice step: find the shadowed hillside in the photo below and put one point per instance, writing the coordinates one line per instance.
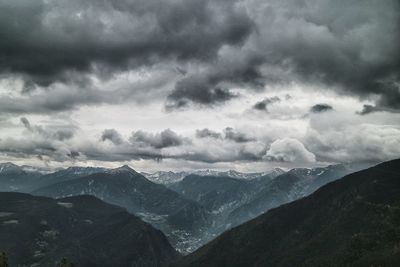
(354, 221)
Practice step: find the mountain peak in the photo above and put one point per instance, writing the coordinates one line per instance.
(123, 168)
(8, 167)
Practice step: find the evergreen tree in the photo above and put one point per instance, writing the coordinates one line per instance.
(64, 263)
(3, 259)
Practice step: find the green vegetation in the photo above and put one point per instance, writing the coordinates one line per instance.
(65, 263)
(3, 259)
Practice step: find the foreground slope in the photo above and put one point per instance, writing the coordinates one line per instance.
(354, 221)
(39, 231)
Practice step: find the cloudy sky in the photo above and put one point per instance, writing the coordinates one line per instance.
(189, 84)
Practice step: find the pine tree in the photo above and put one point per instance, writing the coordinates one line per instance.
(64, 263)
(3, 259)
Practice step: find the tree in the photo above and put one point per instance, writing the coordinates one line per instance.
(3, 259)
(63, 263)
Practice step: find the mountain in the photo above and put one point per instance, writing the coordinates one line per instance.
(168, 178)
(181, 219)
(15, 178)
(26, 178)
(163, 177)
(39, 231)
(353, 221)
(212, 192)
(239, 175)
(69, 173)
(220, 195)
(287, 187)
(282, 189)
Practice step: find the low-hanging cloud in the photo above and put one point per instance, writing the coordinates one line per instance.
(289, 150)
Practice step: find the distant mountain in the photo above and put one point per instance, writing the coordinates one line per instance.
(287, 187)
(167, 178)
(282, 189)
(239, 175)
(213, 192)
(178, 217)
(318, 177)
(354, 221)
(64, 175)
(15, 178)
(39, 231)
(163, 177)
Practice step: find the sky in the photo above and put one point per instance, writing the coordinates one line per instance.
(180, 85)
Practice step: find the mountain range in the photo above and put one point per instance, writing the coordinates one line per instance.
(169, 177)
(353, 221)
(180, 218)
(191, 210)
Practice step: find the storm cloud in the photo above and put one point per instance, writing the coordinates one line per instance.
(350, 47)
(77, 77)
(319, 108)
(166, 138)
(111, 135)
(56, 39)
(263, 105)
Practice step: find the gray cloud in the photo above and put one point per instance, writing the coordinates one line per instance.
(340, 140)
(368, 109)
(262, 105)
(59, 133)
(204, 133)
(289, 150)
(319, 108)
(229, 133)
(111, 135)
(212, 86)
(164, 139)
(216, 45)
(232, 134)
(338, 44)
(25, 122)
(54, 40)
(51, 142)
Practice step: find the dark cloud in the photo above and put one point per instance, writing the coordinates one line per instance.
(212, 85)
(43, 142)
(349, 46)
(319, 108)
(204, 133)
(25, 122)
(166, 138)
(262, 105)
(58, 133)
(229, 134)
(238, 137)
(367, 109)
(49, 41)
(111, 135)
(188, 91)
(216, 46)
